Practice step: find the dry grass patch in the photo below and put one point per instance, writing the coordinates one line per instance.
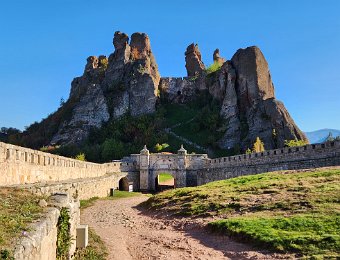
(18, 208)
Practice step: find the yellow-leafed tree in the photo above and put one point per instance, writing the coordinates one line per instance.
(258, 145)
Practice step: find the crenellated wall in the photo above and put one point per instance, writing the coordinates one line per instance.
(48, 173)
(289, 158)
(21, 165)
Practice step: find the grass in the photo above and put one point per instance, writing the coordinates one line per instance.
(163, 177)
(116, 195)
(294, 212)
(96, 250)
(308, 234)
(88, 203)
(18, 208)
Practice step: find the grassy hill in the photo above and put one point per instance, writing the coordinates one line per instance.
(295, 212)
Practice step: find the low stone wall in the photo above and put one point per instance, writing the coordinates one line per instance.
(41, 242)
(304, 157)
(84, 188)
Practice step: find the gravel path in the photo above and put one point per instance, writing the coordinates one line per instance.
(131, 233)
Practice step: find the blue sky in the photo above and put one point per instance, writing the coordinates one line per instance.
(44, 45)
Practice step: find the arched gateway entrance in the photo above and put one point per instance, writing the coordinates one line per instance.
(123, 184)
(164, 181)
(152, 165)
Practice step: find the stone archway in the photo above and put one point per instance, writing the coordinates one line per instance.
(123, 184)
(164, 181)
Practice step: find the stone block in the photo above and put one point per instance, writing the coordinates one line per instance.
(82, 236)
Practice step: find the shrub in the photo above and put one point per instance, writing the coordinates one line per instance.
(63, 234)
(81, 157)
(213, 68)
(295, 142)
(160, 147)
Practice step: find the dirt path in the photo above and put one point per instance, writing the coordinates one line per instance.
(130, 233)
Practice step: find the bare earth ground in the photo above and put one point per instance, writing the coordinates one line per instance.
(130, 232)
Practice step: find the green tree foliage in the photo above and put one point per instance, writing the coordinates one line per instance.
(160, 147)
(258, 145)
(213, 68)
(81, 157)
(112, 149)
(248, 151)
(294, 142)
(330, 138)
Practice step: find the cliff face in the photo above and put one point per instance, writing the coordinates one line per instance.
(128, 81)
(125, 82)
(245, 90)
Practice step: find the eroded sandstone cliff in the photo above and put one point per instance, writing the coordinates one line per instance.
(244, 87)
(128, 82)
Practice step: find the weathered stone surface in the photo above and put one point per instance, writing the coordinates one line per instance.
(129, 82)
(41, 241)
(178, 90)
(229, 110)
(217, 58)
(126, 82)
(193, 60)
(132, 77)
(90, 111)
(253, 77)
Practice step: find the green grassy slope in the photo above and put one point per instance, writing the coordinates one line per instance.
(295, 212)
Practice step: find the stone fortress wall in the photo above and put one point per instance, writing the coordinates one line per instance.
(47, 173)
(288, 158)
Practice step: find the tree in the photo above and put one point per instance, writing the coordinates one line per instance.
(330, 137)
(295, 142)
(81, 157)
(113, 149)
(160, 147)
(258, 145)
(62, 102)
(248, 151)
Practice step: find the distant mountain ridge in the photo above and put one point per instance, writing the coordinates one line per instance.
(319, 136)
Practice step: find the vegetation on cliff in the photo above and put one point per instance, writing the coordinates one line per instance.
(198, 121)
(285, 211)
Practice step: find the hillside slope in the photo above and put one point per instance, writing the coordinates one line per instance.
(294, 211)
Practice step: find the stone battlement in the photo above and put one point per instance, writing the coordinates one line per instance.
(20, 166)
(310, 151)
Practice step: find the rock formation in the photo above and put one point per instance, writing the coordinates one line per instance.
(217, 58)
(193, 60)
(129, 82)
(257, 113)
(246, 93)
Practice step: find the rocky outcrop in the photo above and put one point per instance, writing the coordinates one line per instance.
(127, 82)
(250, 107)
(244, 88)
(193, 60)
(217, 58)
(132, 78)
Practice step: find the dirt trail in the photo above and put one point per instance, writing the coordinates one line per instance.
(130, 233)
